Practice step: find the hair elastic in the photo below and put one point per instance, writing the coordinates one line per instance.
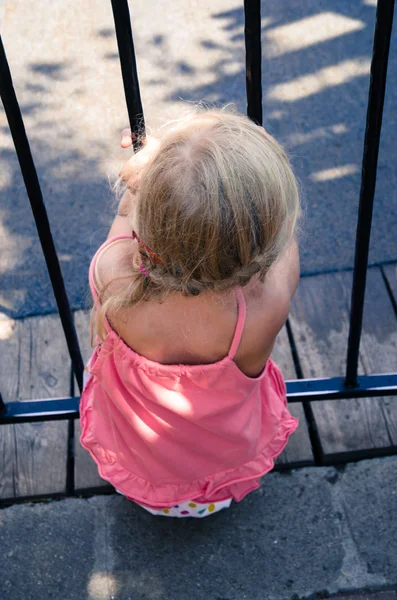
(144, 271)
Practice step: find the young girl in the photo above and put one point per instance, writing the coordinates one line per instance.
(184, 410)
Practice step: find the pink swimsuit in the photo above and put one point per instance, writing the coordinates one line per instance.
(173, 435)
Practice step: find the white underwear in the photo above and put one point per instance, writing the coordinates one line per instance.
(188, 509)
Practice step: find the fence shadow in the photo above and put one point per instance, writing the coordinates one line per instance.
(315, 81)
(315, 84)
(77, 193)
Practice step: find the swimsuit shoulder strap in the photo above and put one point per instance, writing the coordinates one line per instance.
(91, 273)
(94, 261)
(242, 313)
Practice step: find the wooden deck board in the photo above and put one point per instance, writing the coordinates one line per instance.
(34, 363)
(390, 404)
(320, 322)
(390, 272)
(298, 451)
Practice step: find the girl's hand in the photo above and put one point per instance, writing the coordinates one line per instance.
(126, 138)
(131, 171)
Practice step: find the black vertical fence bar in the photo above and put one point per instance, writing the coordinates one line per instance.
(129, 71)
(383, 29)
(2, 405)
(32, 185)
(70, 451)
(253, 59)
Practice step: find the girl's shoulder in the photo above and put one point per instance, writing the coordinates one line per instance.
(115, 258)
(268, 306)
(200, 329)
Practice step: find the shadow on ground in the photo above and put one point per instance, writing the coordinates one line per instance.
(315, 80)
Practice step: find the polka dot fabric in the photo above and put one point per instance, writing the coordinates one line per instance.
(190, 509)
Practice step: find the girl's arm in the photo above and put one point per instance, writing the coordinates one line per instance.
(120, 226)
(123, 221)
(294, 268)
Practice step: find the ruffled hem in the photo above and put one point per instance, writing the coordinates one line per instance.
(234, 483)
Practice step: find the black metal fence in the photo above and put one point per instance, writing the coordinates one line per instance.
(300, 390)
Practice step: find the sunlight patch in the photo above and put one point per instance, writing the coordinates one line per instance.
(101, 586)
(231, 68)
(143, 429)
(308, 32)
(316, 82)
(335, 173)
(277, 115)
(65, 257)
(321, 132)
(7, 327)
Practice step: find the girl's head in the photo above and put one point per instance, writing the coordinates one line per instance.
(217, 201)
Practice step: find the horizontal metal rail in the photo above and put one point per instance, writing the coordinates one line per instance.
(298, 390)
(49, 409)
(334, 388)
(301, 390)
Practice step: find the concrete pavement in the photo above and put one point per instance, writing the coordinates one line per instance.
(314, 531)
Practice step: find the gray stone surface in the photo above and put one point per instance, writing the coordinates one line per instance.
(65, 66)
(369, 499)
(386, 595)
(311, 531)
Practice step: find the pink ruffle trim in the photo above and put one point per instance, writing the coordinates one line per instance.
(234, 483)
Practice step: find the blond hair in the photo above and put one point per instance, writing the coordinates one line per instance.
(217, 201)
